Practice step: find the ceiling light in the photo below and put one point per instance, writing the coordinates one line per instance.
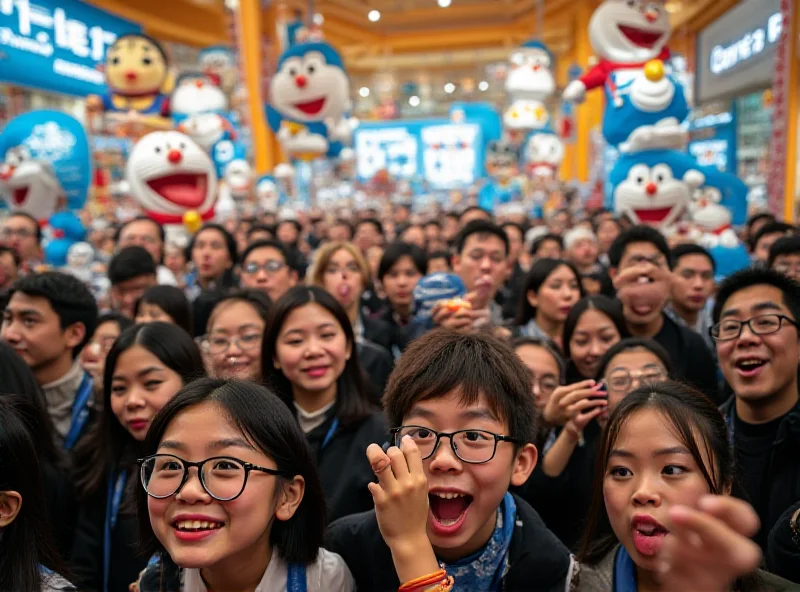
(449, 88)
(413, 101)
(444, 3)
(483, 86)
(374, 16)
(364, 91)
(318, 19)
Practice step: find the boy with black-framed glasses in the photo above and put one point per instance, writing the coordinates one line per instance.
(756, 334)
(464, 399)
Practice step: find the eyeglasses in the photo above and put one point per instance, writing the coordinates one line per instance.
(621, 379)
(350, 267)
(785, 268)
(18, 232)
(217, 344)
(657, 260)
(546, 384)
(761, 325)
(222, 477)
(472, 446)
(271, 266)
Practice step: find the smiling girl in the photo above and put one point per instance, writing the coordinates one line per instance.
(146, 366)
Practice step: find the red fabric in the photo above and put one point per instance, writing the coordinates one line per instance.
(597, 75)
(162, 218)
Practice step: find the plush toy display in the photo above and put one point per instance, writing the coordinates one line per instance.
(530, 74)
(219, 61)
(624, 34)
(29, 185)
(310, 94)
(238, 177)
(502, 167)
(268, 195)
(197, 93)
(543, 155)
(171, 176)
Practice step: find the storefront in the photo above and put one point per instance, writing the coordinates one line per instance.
(732, 124)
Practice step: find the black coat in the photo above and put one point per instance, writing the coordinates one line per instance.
(783, 550)
(538, 562)
(343, 466)
(377, 364)
(381, 333)
(62, 506)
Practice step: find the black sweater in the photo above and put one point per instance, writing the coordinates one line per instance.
(538, 562)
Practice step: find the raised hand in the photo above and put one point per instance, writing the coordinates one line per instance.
(568, 401)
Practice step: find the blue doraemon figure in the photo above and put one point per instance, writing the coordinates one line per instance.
(310, 94)
(64, 230)
(645, 112)
(502, 167)
(225, 152)
(269, 194)
(654, 187)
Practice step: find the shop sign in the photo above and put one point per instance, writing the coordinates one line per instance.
(725, 58)
(57, 45)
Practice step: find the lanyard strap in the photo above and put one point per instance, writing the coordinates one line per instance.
(113, 501)
(331, 431)
(296, 578)
(80, 412)
(730, 421)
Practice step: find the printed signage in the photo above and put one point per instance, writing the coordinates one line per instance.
(57, 45)
(725, 58)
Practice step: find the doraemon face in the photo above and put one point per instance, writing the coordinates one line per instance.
(29, 185)
(652, 196)
(502, 160)
(80, 256)
(239, 177)
(266, 189)
(205, 128)
(135, 64)
(530, 75)
(169, 173)
(222, 64)
(544, 154)
(629, 31)
(707, 212)
(306, 88)
(197, 94)
(526, 115)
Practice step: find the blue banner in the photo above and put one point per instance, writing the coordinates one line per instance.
(57, 45)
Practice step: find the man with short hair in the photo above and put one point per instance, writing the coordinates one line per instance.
(147, 233)
(758, 346)
(267, 266)
(582, 248)
(765, 238)
(755, 223)
(473, 213)
(340, 231)
(48, 319)
(784, 256)
(691, 286)
(22, 233)
(131, 272)
(9, 268)
(369, 233)
(640, 267)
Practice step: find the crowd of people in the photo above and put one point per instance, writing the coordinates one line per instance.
(261, 410)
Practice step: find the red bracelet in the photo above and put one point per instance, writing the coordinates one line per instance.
(445, 583)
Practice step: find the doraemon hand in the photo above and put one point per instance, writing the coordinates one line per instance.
(29, 185)
(530, 73)
(624, 34)
(654, 187)
(169, 175)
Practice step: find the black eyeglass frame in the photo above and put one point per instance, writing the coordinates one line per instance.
(439, 435)
(748, 322)
(199, 464)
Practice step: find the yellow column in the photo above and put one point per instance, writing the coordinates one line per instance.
(589, 114)
(248, 22)
(792, 113)
(565, 61)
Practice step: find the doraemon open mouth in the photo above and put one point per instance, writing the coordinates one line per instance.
(184, 189)
(20, 194)
(311, 107)
(641, 37)
(654, 216)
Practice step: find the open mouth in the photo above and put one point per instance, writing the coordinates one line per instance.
(641, 37)
(448, 509)
(316, 371)
(20, 194)
(184, 189)
(311, 107)
(652, 216)
(750, 366)
(196, 526)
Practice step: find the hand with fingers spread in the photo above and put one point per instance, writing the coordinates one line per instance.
(401, 507)
(709, 547)
(567, 402)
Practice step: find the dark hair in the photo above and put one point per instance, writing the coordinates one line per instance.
(343, 222)
(17, 383)
(8, 250)
(443, 362)
(353, 404)
(122, 321)
(109, 446)
(68, 296)
(38, 231)
(267, 244)
(172, 300)
(695, 420)
(129, 263)
(755, 276)
(786, 245)
(608, 306)
(230, 242)
(435, 223)
(475, 209)
(546, 345)
(440, 255)
(637, 234)
(772, 228)
(26, 545)
(536, 277)
(597, 222)
(690, 249)
(759, 216)
(297, 226)
(482, 227)
(397, 251)
(514, 225)
(632, 343)
(374, 222)
(543, 239)
(159, 228)
(271, 428)
(259, 228)
(152, 41)
(259, 300)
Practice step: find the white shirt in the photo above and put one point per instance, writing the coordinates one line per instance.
(310, 420)
(327, 574)
(165, 277)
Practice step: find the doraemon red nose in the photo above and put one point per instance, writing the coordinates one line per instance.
(300, 81)
(651, 188)
(651, 14)
(5, 172)
(175, 156)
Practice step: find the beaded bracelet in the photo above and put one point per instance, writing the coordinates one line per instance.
(439, 579)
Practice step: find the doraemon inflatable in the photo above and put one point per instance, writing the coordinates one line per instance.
(197, 93)
(64, 230)
(524, 115)
(170, 175)
(502, 167)
(654, 187)
(309, 95)
(238, 177)
(268, 195)
(624, 34)
(543, 155)
(219, 61)
(44, 163)
(530, 74)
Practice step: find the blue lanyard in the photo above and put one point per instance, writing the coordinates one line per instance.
(730, 422)
(80, 411)
(331, 431)
(296, 578)
(113, 501)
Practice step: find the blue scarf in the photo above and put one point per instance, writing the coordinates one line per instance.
(484, 570)
(624, 572)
